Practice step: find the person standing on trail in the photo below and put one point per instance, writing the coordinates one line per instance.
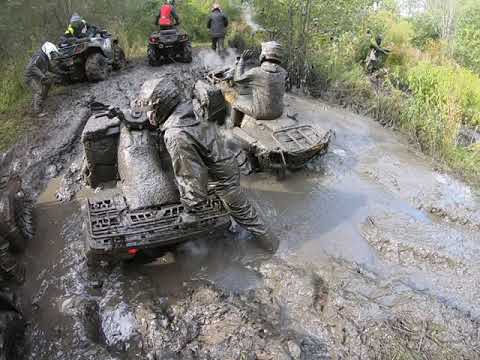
(199, 154)
(377, 54)
(261, 88)
(167, 17)
(38, 76)
(217, 24)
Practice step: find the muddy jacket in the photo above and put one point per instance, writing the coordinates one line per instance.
(217, 23)
(261, 90)
(199, 155)
(38, 67)
(202, 132)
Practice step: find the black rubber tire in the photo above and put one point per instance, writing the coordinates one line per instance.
(12, 330)
(119, 58)
(152, 57)
(25, 225)
(187, 53)
(97, 67)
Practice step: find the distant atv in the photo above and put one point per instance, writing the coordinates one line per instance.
(92, 58)
(169, 46)
(285, 143)
(138, 210)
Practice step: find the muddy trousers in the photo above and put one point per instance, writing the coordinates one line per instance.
(192, 173)
(39, 94)
(218, 44)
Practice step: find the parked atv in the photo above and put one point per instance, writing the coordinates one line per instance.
(169, 45)
(285, 143)
(141, 212)
(16, 222)
(92, 58)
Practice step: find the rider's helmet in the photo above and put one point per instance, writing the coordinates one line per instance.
(49, 49)
(159, 97)
(169, 2)
(216, 6)
(271, 51)
(76, 22)
(379, 39)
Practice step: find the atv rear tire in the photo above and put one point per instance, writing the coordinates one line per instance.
(119, 58)
(97, 67)
(25, 226)
(187, 53)
(152, 57)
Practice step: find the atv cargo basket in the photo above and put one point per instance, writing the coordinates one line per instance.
(112, 229)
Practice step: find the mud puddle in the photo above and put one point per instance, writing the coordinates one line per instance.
(379, 259)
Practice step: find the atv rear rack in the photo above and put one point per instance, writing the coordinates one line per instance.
(112, 229)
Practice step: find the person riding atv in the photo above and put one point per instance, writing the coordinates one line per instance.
(267, 138)
(79, 28)
(376, 56)
(167, 17)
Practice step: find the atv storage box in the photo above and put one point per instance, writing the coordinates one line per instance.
(283, 143)
(100, 142)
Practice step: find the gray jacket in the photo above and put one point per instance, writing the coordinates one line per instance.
(261, 90)
(38, 67)
(217, 23)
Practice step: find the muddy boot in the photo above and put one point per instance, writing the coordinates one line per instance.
(9, 267)
(268, 242)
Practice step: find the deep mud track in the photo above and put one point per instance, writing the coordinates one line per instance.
(379, 258)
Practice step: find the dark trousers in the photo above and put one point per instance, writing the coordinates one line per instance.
(218, 44)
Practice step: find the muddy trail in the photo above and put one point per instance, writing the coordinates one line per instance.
(379, 257)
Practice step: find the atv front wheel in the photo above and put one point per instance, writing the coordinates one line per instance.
(119, 58)
(187, 53)
(97, 67)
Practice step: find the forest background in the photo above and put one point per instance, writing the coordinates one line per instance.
(429, 87)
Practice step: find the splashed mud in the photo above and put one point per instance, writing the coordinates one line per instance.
(379, 256)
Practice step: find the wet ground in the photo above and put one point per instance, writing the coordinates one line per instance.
(379, 256)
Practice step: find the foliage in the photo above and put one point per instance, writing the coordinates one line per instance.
(467, 40)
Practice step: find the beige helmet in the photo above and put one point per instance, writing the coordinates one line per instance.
(271, 51)
(159, 96)
(216, 6)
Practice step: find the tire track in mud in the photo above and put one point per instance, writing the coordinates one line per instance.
(335, 290)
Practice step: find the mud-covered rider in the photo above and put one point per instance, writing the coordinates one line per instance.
(217, 24)
(78, 28)
(39, 75)
(376, 55)
(198, 155)
(167, 17)
(262, 88)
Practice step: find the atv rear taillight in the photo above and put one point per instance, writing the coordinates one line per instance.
(132, 251)
(153, 39)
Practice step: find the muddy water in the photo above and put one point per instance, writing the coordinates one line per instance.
(379, 259)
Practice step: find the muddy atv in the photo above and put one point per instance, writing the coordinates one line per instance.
(91, 59)
(169, 45)
(16, 221)
(285, 143)
(138, 210)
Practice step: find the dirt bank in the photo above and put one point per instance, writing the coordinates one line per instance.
(379, 256)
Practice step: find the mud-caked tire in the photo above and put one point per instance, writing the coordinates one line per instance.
(25, 226)
(153, 58)
(187, 53)
(97, 67)
(119, 58)
(12, 332)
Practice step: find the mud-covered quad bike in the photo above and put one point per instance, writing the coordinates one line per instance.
(91, 58)
(16, 220)
(169, 45)
(285, 143)
(141, 212)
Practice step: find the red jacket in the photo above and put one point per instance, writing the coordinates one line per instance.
(166, 15)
